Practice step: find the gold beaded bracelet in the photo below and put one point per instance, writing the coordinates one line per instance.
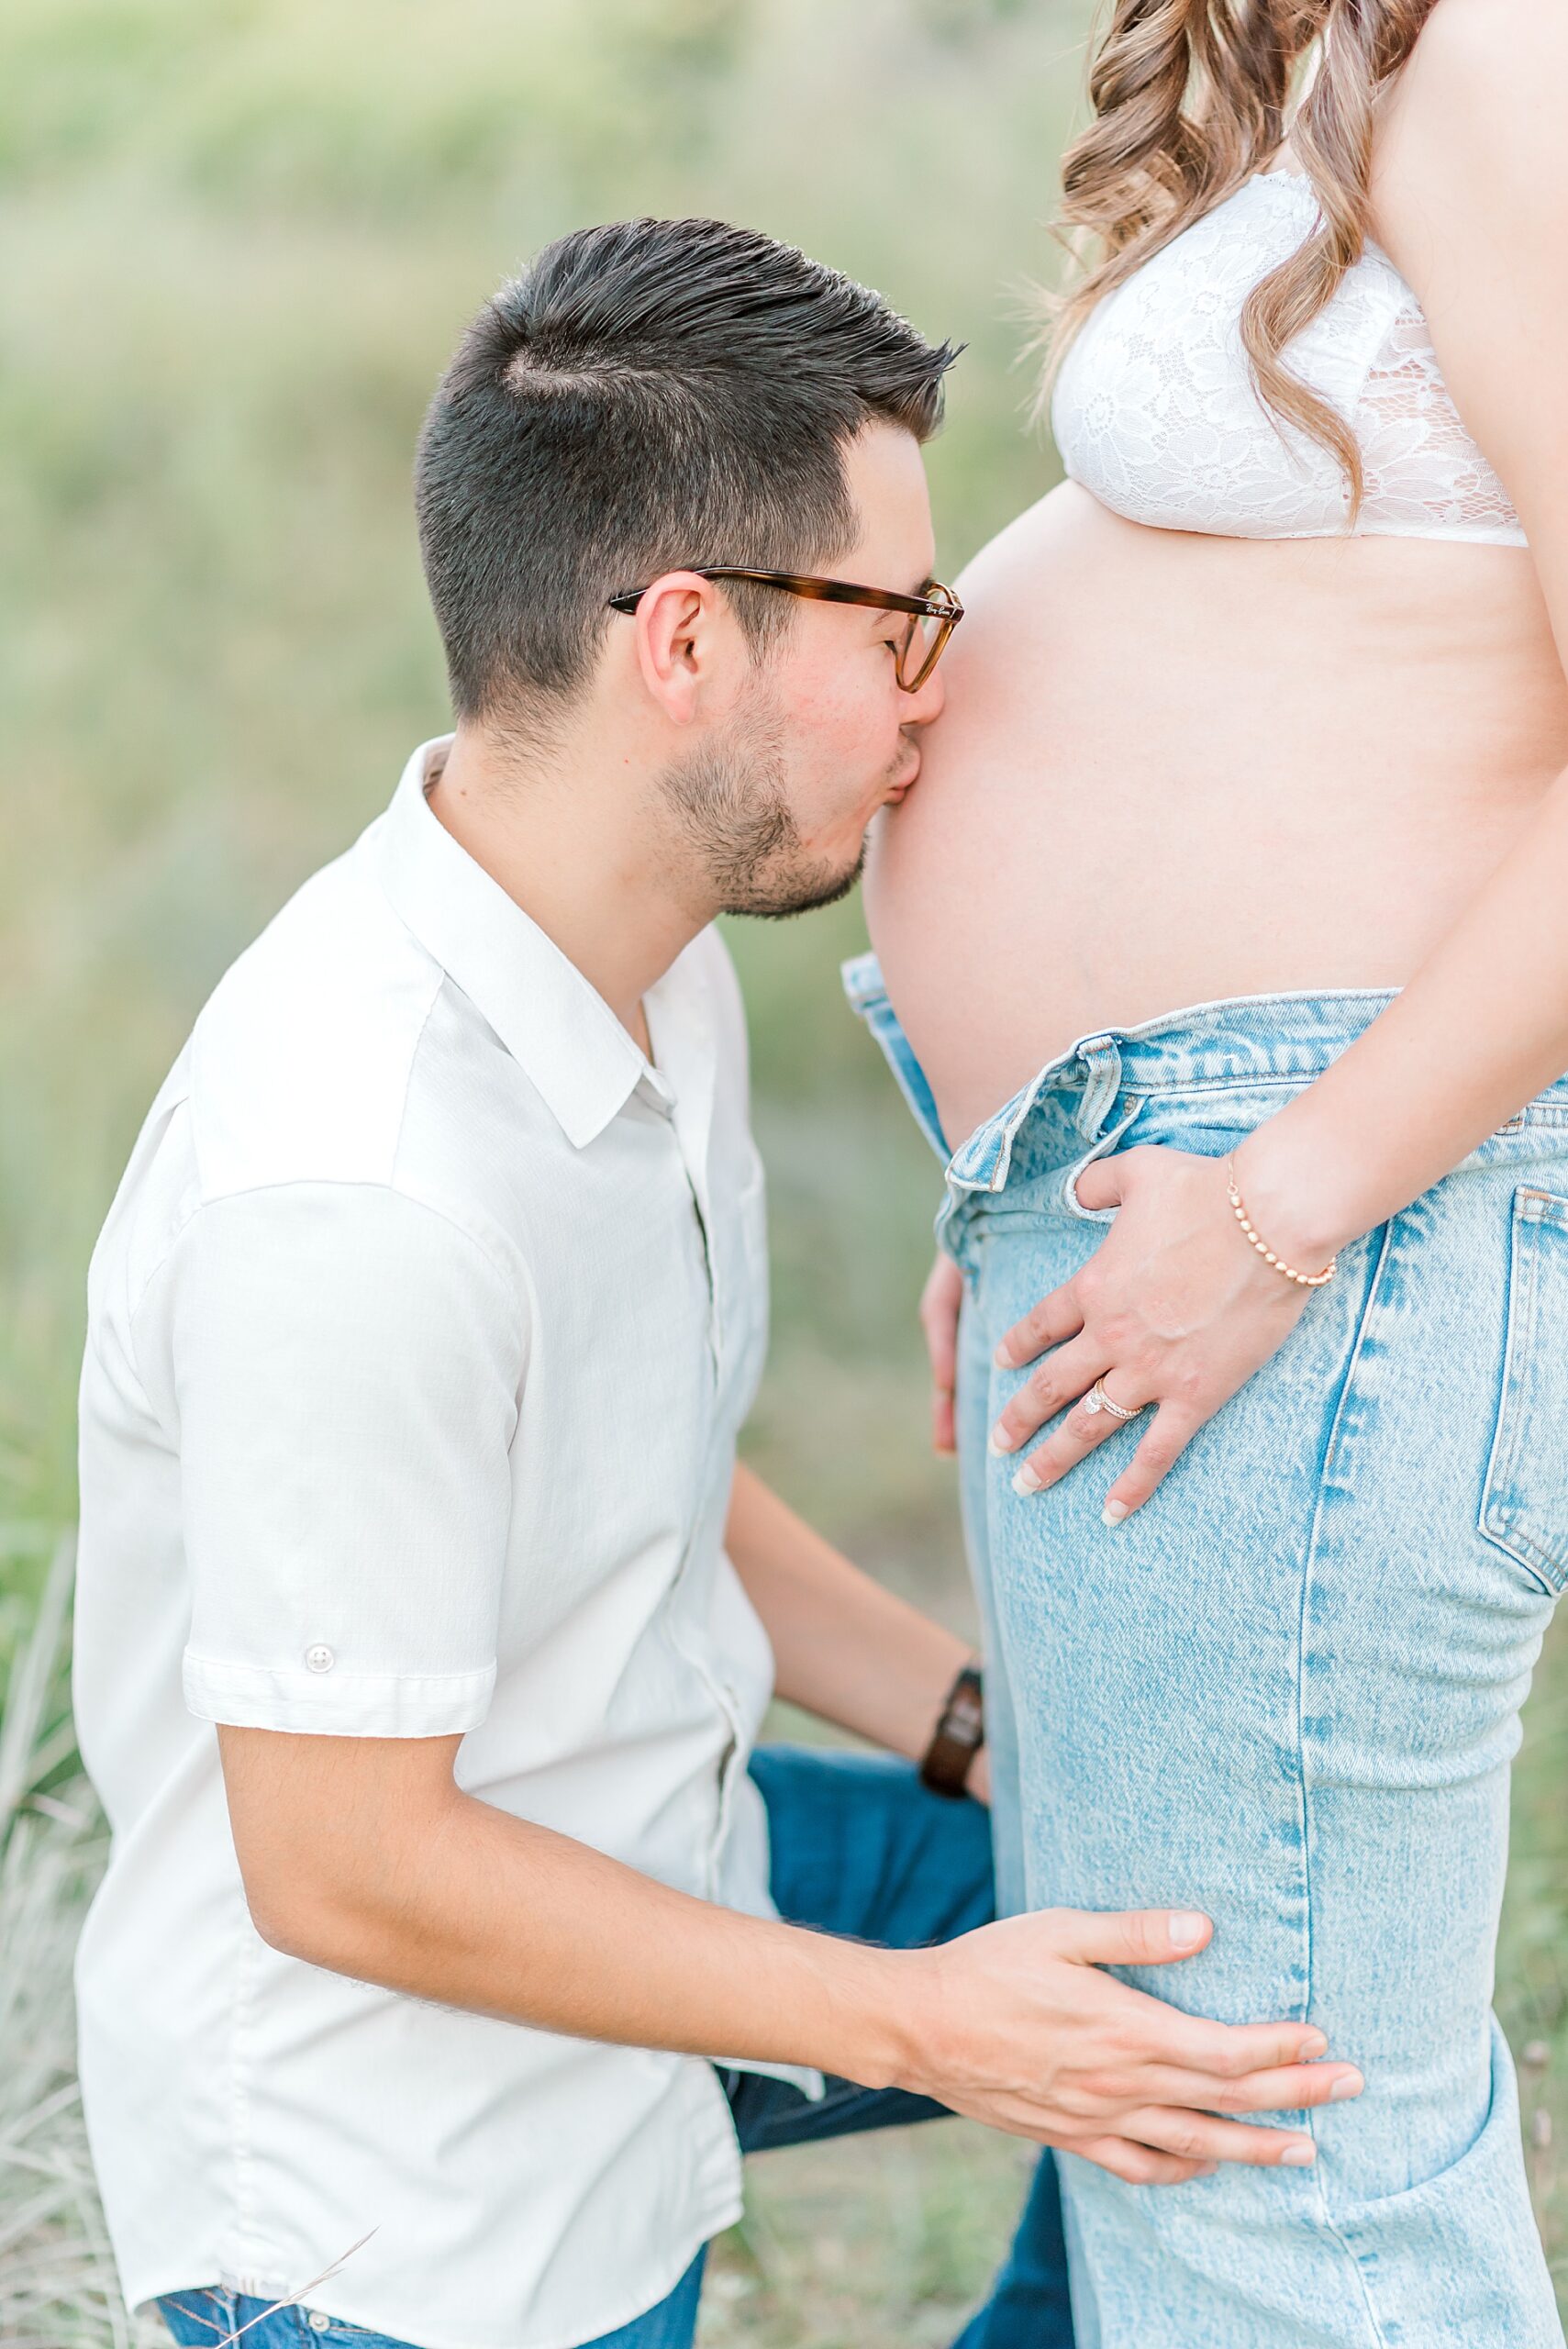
(1303, 1280)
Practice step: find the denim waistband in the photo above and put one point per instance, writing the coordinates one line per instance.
(1267, 1040)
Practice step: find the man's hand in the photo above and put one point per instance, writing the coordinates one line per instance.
(939, 1302)
(1173, 1309)
(362, 1855)
(1016, 2027)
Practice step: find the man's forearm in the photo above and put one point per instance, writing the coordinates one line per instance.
(363, 1855)
(479, 1909)
(845, 1649)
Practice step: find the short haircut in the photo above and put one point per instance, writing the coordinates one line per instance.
(646, 396)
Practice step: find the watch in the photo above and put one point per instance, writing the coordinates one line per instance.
(958, 1737)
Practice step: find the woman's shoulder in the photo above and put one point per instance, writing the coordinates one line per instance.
(1482, 87)
(1470, 168)
(1461, 39)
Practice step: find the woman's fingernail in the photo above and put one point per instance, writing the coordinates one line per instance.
(1312, 2046)
(998, 1440)
(1185, 1927)
(1113, 1512)
(1301, 2156)
(1003, 1357)
(1029, 1478)
(1208, 2170)
(1352, 2084)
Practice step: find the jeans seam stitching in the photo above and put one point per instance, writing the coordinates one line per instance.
(1527, 1266)
(194, 2316)
(1331, 1452)
(1507, 1444)
(1232, 1081)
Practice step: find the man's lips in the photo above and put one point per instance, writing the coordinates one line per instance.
(896, 791)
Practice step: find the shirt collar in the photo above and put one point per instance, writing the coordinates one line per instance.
(557, 1027)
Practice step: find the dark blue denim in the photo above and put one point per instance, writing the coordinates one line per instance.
(859, 1848)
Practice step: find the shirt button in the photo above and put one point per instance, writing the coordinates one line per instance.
(319, 1659)
(317, 2320)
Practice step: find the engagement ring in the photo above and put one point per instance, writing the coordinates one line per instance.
(1097, 1400)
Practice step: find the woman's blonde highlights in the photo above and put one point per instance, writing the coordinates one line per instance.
(1191, 97)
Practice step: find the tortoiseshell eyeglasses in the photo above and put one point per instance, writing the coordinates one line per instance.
(933, 616)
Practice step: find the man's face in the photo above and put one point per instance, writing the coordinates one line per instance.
(777, 803)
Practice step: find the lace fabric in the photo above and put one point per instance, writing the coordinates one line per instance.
(1155, 410)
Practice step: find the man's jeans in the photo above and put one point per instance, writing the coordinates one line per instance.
(859, 1848)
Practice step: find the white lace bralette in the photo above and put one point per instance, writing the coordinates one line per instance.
(1155, 412)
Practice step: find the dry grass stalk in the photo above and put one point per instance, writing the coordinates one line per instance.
(58, 2286)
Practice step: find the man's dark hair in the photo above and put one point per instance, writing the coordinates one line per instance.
(646, 396)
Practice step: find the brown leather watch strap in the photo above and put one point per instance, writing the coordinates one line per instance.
(959, 1735)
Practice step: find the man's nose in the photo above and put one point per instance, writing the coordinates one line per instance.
(922, 706)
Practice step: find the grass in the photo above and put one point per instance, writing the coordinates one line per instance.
(241, 239)
(57, 2283)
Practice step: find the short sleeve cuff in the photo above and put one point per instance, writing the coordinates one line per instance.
(324, 1700)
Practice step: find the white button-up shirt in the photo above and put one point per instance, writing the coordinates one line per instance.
(419, 1334)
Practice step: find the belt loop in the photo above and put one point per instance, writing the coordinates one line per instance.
(1101, 1064)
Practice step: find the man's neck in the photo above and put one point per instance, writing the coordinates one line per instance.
(568, 842)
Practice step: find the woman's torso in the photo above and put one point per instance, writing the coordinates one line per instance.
(1177, 765)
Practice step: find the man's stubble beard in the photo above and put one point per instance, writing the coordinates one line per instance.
(733, 820)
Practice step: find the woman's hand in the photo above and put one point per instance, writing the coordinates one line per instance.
(1014, 2025)
(939, 1302)
(1174, 1310)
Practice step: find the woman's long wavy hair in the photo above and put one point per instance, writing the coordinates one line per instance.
(1190, 98)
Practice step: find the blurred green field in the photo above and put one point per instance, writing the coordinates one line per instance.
(240, 238)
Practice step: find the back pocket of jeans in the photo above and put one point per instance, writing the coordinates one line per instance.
(1524, 1503)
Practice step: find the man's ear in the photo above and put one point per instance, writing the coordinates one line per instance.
(680, 625)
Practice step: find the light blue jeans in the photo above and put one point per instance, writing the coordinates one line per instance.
(1287, 1690)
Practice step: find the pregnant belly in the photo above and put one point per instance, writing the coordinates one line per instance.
(1175, 768)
